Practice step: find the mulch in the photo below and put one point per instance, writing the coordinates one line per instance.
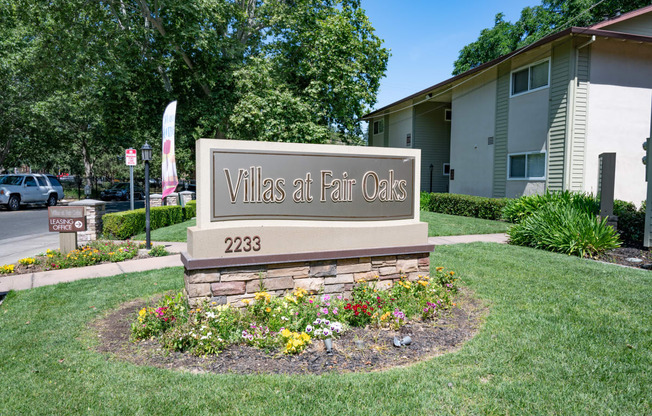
(358, 350)
(628, 256)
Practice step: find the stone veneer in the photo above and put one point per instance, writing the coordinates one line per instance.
(95, 210)
(233, 284)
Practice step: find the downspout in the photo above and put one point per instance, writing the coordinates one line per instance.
(571, 118)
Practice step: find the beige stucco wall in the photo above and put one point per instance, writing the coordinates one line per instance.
(473, 122)
(400, 124)
(527, 132)
(620, 95)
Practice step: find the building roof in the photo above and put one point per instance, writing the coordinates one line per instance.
(572, 31)
(623, 17)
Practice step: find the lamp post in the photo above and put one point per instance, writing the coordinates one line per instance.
(147, 156)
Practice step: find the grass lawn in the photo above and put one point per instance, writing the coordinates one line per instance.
(438, 225)
(564, 336)
(444, 224)
(175, 232)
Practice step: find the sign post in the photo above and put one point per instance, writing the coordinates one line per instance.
(647, 159)
(67, 221)
(130, 160)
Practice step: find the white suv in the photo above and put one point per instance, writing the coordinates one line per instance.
(18, 189)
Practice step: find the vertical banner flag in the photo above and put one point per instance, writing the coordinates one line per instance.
(168, 161)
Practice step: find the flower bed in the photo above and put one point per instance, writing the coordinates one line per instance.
(289, 324)
(95, 252)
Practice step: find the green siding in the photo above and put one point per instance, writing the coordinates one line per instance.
(558, 115)
(500, 135)
(580, 115)
(386, 131)
(370, 133)
(432, 134)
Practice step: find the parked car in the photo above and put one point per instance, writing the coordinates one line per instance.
(28, 188)
(186, 186)
(120, 191)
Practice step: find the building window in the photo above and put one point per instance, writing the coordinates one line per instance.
(448, 113)
(379, 127)
(447, 169)
(531, 78)
(527, 165)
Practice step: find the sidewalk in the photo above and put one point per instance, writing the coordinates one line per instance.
(30, 281)
(16, 248)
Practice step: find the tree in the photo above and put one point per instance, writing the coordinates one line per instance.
(535, 23)
(291, 70)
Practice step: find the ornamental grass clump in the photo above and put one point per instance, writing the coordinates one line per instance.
(565, 229)
(289, 324)
(517, 210)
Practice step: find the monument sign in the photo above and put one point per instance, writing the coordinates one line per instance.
(266, 205)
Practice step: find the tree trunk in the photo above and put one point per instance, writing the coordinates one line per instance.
(88, 165)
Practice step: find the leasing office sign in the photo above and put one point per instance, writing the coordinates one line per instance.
(249, 184)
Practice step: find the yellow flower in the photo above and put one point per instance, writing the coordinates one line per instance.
(286, 333)
(268, 309)
(439, 269)
(246, 301)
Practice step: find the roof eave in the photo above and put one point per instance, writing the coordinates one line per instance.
(550, 38)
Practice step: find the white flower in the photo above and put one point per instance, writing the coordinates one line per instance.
(309, 329)
(211, 315)
(327, 332)
(317, 321)
(283, 318)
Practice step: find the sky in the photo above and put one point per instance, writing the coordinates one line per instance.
(425, 38)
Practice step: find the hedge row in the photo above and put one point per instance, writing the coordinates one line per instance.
(464, 205)
(122, 225)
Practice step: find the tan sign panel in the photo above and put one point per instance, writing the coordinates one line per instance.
(66, 219)
(258, 199)
(66, 212)
(249, 184)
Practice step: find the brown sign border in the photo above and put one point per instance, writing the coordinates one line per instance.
(73, 230)
(215, 218)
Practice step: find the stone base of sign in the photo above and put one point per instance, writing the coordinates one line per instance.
(171, 199)
(156, 200)
(231, 280)
(67, 242)
(95, 210)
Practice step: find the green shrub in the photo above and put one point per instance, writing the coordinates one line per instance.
(464, 205)
(518, 209)
(425, 200)
(122, 225)
(158, 251)
(631, 223)
(190, 210)
(565, 228)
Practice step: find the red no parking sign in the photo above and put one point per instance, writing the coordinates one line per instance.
(130, 157)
